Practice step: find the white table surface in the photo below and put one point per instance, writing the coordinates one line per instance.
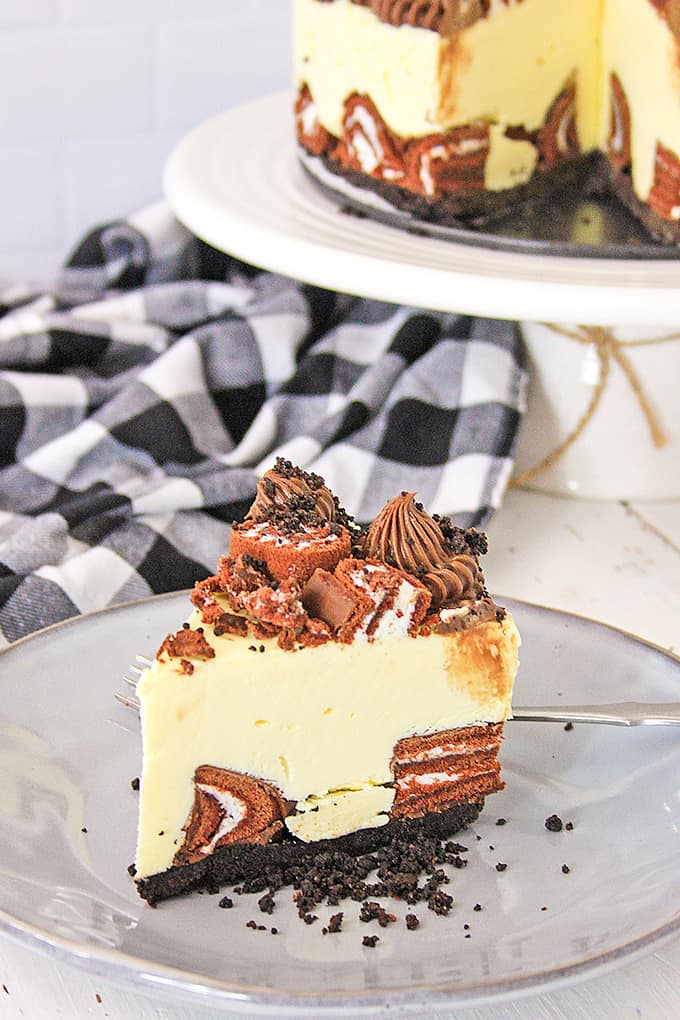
(619, 563)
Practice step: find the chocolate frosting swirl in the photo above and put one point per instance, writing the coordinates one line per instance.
(405, 536)
(436, 15)
(285, 484)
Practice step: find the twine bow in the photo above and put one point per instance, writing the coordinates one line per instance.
(608, 348)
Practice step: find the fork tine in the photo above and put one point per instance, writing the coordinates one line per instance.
(127, 702)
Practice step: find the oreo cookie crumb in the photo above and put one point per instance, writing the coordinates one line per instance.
(226, 903)
(266, 903)
(440, 903)
(565, 869)
(275, 931)
(412, 922)
(132, 870)
(477, 907)
(134, 783)
(501, 867)
(84, 830)
(371, 911)
(501, 821)
(569, 826)
(468, 935)
(462, 540)
(335, 923)
(544, 908)
(456, 848)
(466, 927)
(370, 941)
(568, 727)
(554, 823)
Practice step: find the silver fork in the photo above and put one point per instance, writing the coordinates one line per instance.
(129, 700)
(623, 713)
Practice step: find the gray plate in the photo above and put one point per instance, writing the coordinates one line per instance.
(68, 753)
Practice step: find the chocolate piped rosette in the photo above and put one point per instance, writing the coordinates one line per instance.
(463, 111)
(333, 688)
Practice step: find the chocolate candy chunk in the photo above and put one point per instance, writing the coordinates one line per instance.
(229, 623)
(326, 599)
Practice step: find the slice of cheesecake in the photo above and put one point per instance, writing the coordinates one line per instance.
(332, 687)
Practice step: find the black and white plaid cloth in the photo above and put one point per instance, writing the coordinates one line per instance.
(141, 398)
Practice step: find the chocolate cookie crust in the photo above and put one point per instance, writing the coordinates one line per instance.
(467, 209)
(243, 861)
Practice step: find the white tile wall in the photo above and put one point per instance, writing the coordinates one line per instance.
(22, 12)
(96, 92)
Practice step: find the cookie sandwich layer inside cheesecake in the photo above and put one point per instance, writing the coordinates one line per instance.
(462, 110)
(332, 687)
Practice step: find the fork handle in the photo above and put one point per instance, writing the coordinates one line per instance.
(624, 713)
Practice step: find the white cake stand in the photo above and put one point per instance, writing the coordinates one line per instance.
(235, 181)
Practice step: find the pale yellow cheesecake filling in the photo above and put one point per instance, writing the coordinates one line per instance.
(509, 68)
(317, 723)
(336, 814)
(422, 83)
(640, 48)
(510, 161)
(341, 48)
(506, 69)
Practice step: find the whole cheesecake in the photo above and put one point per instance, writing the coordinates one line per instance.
(332, 688)
(461, 111)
